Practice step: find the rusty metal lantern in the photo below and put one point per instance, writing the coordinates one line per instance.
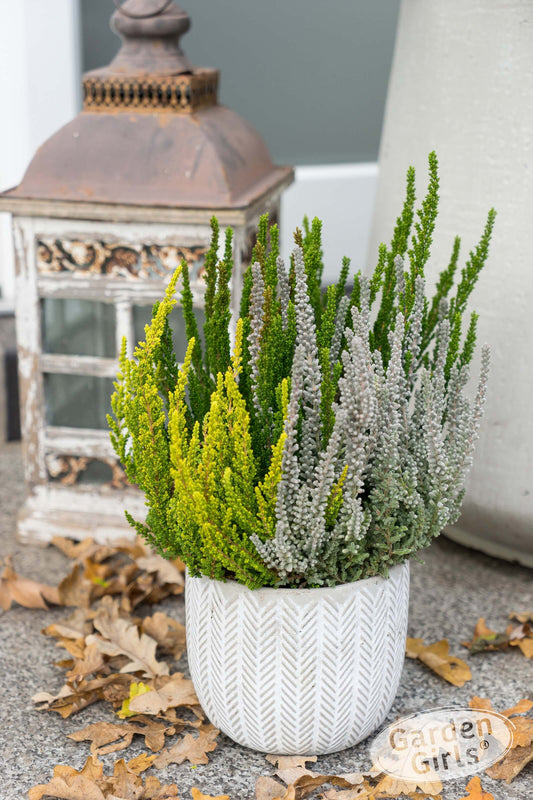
(107, 209)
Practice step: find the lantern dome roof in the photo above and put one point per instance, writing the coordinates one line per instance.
(151, 132)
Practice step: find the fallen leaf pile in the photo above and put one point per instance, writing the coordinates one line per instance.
(437, 657)
(519, 633)
(521, 751)
(90, 783)
(110, 651)
(119, 659)
(128, 570)
(126, 662)
(299, 782)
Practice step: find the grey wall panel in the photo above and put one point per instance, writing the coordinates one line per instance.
(311, 76)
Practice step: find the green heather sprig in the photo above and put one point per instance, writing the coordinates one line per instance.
(336, 439)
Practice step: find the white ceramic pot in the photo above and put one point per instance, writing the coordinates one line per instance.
(297, 671)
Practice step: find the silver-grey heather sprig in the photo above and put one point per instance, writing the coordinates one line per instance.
(399, 451)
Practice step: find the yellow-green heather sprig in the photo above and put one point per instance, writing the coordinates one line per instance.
(215, 502)
(138, 427)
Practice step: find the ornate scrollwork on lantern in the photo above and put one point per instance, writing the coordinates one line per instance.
(71, 470)
(116, 259)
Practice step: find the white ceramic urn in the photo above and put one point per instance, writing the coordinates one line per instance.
(462, 85)
(297, 671)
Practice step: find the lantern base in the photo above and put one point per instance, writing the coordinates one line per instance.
(50, 512)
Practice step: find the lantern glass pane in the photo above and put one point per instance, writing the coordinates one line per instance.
(77, 401)
(96, 472)
(142, 315)
(78, 327)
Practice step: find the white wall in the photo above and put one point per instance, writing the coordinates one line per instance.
(342, 196)
(462, 84)
(40, 90)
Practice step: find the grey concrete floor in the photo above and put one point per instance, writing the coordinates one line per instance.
(449, 592)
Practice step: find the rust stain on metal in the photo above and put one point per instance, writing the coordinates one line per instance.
(152, 167)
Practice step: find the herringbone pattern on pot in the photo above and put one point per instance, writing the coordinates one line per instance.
(297, 671)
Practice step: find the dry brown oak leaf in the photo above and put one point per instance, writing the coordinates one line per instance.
(90, 581)
(141, 763)
(267, 788)
(198, 795)
(168, 572)
(437, 657)
(70, 699)
(109, 737)
(190, 749)
(71, 784)
(91, 661)
(359, 793)
(522, 616)
(125, 784)
(521, 636)
(90, 783)
(388, 786)
(168, 633)
(177, 691)
(290, 768)
(521, 751)
(121, 637)
(83, 585)
(76, 589)
(518, 633)
(475, 791)
(24, 591)
(76, 626)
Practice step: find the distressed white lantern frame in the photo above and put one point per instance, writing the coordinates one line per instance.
(66, 506)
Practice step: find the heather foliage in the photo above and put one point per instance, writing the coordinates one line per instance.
(335, 440)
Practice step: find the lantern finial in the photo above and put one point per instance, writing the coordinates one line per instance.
(150, 31)
(144, 14)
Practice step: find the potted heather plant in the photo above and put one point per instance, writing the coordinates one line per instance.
(296, 472)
